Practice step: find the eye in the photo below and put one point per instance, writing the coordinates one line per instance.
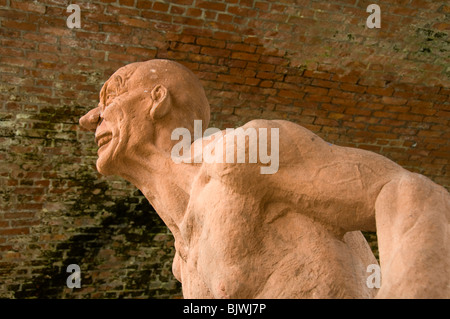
(110, 97)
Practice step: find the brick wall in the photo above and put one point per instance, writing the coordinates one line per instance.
(312, 62)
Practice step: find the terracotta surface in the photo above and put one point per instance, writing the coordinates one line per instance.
(292, 234)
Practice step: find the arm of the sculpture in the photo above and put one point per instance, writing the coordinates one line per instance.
(412, 216)
(260, 213)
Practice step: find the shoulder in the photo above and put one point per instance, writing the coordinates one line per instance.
(259, 148)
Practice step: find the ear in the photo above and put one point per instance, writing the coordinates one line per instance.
(161, 102)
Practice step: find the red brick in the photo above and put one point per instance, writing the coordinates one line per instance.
(317, 74)
(433, 97)
(434, 119)
(121, 57)
(149, 53)
(397, 109)
(242, 72)
(335, 108)
(357, 111)
(202, 58)
(94, 36)
(230, 78)
(19, 25)
(385, 114)
(21, 223)
(273, 60)
(291, 94)
(210, 5)
(219, 35)
(134, 22)
(241, 11)
(316, 90)
(429, 133)
(325, 84)
(194, 12)
(352, 88)
(164, 17)
(188, 21)
(410, 117)
(262, 67)
(345, 78)
(266, 84)
(14, 231)
(443, 114)
(43, 56)
(442, 26)
(159, 6)
(245, 56)
(185, 47)
(183, 2)
(215, 52)
(337, 116)
(420, 103)
(11, 52)
(241, 47)
(211, 43)
(423, 110)
(380, 91)
(252, 81)
(269, 76)
(445, 91)
(31, 7)
(392, 122)
(393, 100)
(177, 10)
(328, 122)
(372, 81)
(341, 94)
(17, 61)
(317, 98)
(346, 102)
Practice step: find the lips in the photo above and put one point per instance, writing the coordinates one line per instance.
(103, 139)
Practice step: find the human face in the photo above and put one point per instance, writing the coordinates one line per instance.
(117, 123)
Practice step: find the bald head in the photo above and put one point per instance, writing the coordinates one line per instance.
(140, 105)
(186, 92)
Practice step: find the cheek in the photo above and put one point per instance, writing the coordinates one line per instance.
(112, 118)
(103, 126)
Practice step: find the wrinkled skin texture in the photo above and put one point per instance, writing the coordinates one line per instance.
(292, 234)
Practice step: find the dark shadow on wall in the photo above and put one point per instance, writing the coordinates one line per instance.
(136, 223)
(124, 250)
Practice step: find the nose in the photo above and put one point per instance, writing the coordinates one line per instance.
(90, 120)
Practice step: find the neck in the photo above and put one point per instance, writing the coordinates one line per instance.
(165, 184)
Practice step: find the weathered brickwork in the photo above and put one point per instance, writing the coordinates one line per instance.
(312, 62)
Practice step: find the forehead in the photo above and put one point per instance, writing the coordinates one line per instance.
(130, 76)
(119, 78)
(118, 82)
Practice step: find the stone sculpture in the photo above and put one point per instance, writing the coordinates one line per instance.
(294, 233)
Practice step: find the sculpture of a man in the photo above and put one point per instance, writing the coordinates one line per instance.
(292, 234)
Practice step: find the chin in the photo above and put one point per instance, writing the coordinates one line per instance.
(103, 167)
(105, 163)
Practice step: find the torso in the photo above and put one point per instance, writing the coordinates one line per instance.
(247, 235)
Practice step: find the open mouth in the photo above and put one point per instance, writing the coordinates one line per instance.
(103, 139)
